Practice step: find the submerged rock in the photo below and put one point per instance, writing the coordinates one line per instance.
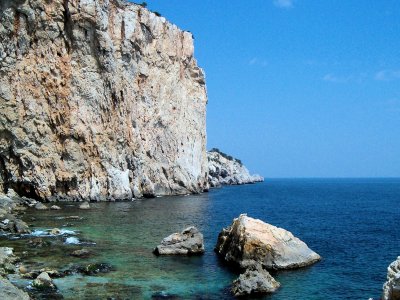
(391, 288)
(81, 253)
(84, 205)
(41, 206)
(188, 242)
(95, 268)
(255, 280)
(8, 291)
(249, 241)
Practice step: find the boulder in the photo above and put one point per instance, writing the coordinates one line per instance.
(250, 241)
(84, 205)
(55, 231)
(40, 206)
(21, 227)
(188, 242)
(55, 207)
(10, 292)
(391, 288)
(43, 281)
(255, 280)
(7, 260)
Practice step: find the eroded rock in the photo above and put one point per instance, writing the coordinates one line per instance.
(99, 100)
(43, 281)
(8, 291)
(249, 242)
(188, 242)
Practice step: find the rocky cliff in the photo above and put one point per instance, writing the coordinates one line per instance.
(223, 169)
(99, 99)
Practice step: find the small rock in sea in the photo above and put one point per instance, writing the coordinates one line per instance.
(72, 218)
(250, 241)
(55, 231)
(84, 205)
(391, 288)
(43, 281)
(188, 242)
(164, 295)
(40, 206)
(81, 253)
(23, 270)
(55, 207)
(255, 280)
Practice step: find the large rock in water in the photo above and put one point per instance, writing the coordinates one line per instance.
(255, 280)
(99, 99)
(249, 241)
(188, 242)
(223, 169)
(391, 288)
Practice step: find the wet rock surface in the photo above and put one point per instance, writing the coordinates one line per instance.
(188, 242)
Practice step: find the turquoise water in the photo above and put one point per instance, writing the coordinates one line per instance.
(351, 223)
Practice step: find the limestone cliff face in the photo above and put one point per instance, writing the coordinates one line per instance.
(226, 170)
(99, 99)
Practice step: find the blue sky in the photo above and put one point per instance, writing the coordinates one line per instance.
(300, 88)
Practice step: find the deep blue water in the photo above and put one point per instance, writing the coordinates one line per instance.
(352, 223)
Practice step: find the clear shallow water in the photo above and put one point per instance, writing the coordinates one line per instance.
(352, 223)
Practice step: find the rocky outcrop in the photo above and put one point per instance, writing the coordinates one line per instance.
(391, 288)
(255, 280)
(10, 292)
(226, 170)
(188, 242)
(99, 99)
(249, 242)
(10, 205)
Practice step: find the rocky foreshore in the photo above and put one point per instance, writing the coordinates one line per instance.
(223, 169)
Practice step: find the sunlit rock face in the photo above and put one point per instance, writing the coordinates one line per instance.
(99, 99)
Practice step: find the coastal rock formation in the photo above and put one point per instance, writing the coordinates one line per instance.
(249, 242)
(255, 280)
(188, 242)
(226, 170)
(391, 288)
(10, 205)
(99, 100)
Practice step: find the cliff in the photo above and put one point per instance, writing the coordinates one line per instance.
(226, 170)
(99, 99)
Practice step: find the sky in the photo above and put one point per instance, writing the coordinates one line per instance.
(299, 88)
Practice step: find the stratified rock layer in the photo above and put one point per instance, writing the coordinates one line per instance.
(226, 170)
(248, 242)
(391, 288)
(99, 99)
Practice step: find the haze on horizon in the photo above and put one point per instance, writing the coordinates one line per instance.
(299, 88)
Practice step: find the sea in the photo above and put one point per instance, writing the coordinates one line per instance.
(352, 223)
